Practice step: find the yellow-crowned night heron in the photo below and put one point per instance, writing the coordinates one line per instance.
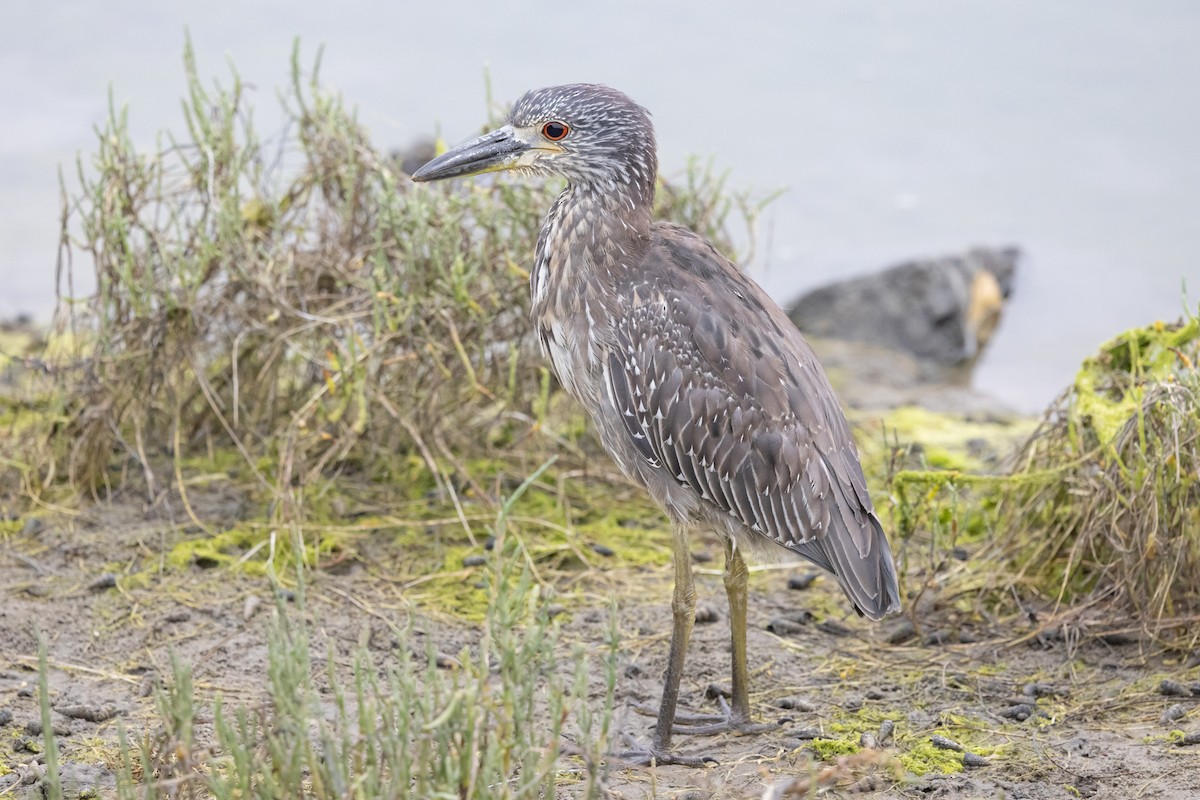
(701, 389)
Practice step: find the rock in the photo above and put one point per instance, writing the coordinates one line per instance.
(34, 728)
(102, 582)
(88, 713)
(250, 606)
(417, 153)
(802, 582)
(1172, 688)
(942, 310)
(793, 703)
(1173, 713)
(942, 743)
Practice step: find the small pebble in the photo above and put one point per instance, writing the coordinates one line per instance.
(443, 661)
(796, 704)
(88, 713)
(886, 728)
(1039, 690)
(5, 716)
(805, 734)
(935, 638)
(1172, 688)
(25, 744)
(942, 743)
(853, 703)
(1119, 639)
(802, 582)
(490, 544)
(702, 556)
(474, 561)
(715, 690)
(554, 609)
(783, 626)
(32, 527)
(633, 670)
(31, 773)
(1190, 738)
(106, 581)
(901, 632)
(34, 728)
(833, 628)
(868, 740)
(706, 614)
(973, 760)
(250, 606)
(1019, 712)
(603, 550)
(875, 694)
(182, 615)
(1172, 713)
(287, 595)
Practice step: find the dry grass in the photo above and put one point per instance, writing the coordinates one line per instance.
(298, 299)
(1103, 514)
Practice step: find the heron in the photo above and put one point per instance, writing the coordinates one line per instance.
(698, 385)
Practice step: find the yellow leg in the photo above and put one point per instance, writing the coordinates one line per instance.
(735, 716)
(736, 580)
(683, 613)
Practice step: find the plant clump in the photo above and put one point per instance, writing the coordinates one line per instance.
(297, 300)
(1103, 510)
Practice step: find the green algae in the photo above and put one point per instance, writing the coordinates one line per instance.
(1112, 385)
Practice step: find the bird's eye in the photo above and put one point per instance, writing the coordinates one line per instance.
(556, 131)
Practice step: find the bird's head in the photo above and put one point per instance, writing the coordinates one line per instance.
(586, 133)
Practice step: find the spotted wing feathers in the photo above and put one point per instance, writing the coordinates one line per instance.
(718, 389)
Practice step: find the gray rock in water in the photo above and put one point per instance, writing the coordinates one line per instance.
(942, 310)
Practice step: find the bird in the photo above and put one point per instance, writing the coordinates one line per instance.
(699, 387)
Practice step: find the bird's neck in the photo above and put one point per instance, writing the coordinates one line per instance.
(593, 235)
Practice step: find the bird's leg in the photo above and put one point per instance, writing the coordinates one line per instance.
(683, 613)
(736, 716)
(737, 578)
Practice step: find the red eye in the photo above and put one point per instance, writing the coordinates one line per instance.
(556, 131)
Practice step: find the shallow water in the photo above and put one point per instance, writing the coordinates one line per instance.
(1069, 129)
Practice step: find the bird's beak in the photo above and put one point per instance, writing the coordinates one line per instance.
(499, 150)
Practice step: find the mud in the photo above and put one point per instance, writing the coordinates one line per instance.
(1040, 719)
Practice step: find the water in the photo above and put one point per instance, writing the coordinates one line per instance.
(1069, 129)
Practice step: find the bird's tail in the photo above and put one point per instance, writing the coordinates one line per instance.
(862, 562)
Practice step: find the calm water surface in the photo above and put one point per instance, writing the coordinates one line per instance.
(1068, 128)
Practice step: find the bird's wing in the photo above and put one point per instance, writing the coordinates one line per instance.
(717, 387)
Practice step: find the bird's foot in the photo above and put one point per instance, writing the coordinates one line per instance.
(726, 721)
(638, 755)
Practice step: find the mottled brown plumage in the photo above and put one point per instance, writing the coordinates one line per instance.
(699, 386)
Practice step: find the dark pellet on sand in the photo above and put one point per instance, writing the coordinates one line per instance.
(802, 582)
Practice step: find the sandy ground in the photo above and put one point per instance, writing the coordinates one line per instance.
(1096, 730)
